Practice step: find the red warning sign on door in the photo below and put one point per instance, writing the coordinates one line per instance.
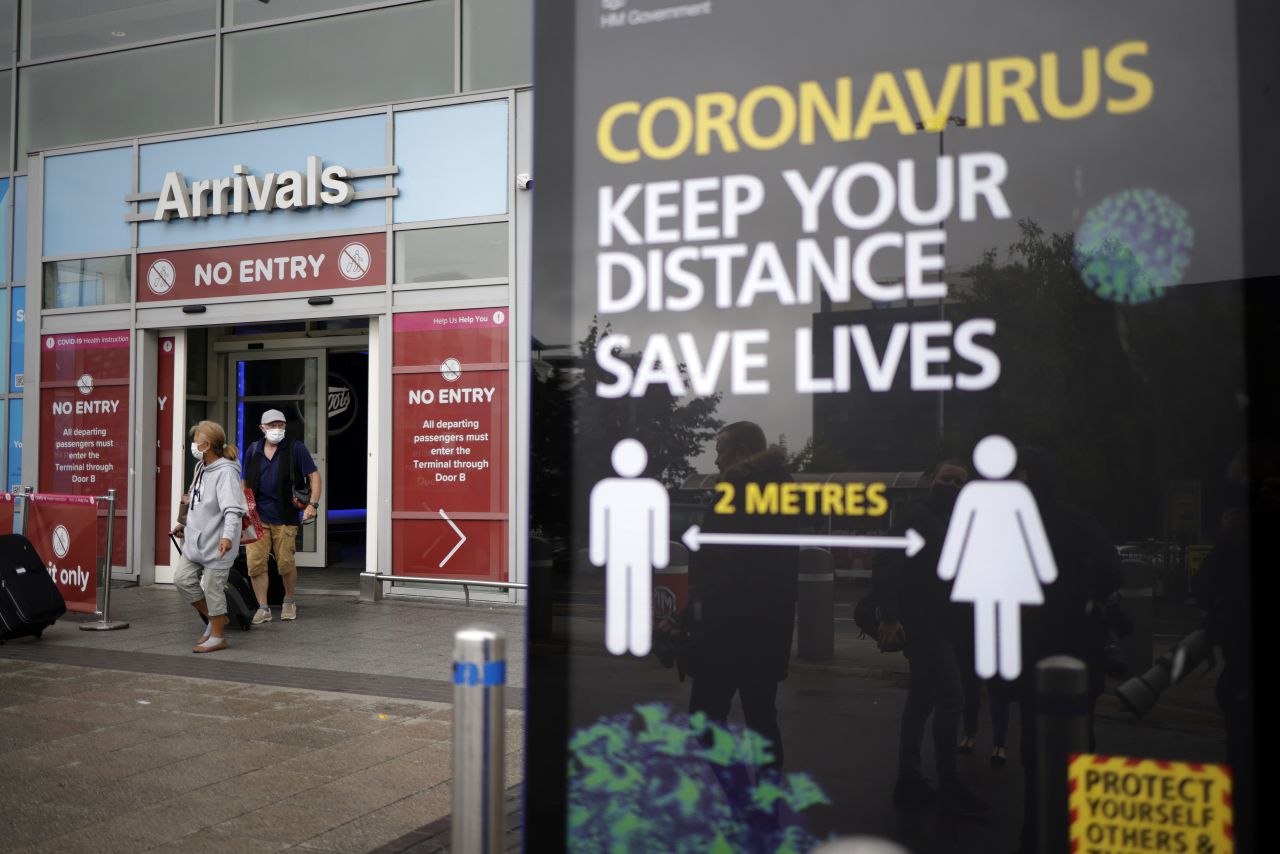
(449, 491)
(291, 266)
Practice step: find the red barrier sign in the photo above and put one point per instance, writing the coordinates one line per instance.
(64, 531)
(263, 268)
(84, 419)
(449, 493)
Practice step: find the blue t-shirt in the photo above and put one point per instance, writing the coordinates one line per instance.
(271, 473)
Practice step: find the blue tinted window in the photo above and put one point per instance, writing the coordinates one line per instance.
(453, 162)
(84, 206)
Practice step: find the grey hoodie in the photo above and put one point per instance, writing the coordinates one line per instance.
(217, 506)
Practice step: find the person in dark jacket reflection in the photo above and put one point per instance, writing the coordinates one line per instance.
(1089, 571)
(913, 601)
(743, 597)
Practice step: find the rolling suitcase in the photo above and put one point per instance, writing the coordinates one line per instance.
(29, 600)
(275, 584)
(241, 602)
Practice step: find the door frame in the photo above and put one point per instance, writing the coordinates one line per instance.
(318, 557)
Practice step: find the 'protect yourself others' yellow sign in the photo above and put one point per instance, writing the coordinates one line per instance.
(1132, 806)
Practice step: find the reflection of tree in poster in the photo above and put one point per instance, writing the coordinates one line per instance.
(673, 431)
(1076, 366)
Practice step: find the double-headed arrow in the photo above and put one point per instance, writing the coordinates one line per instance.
(912, 542)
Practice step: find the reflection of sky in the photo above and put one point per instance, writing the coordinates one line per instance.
(1183, 145)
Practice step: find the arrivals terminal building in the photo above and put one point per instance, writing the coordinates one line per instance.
(219, 207)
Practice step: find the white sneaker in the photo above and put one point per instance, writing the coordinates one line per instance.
(289, 611)
(261, 615)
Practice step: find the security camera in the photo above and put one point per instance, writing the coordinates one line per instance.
(524, 181)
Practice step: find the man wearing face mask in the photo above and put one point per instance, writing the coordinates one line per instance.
(283, 478)
(913, 601)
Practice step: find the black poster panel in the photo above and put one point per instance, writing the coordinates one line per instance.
(901, 435)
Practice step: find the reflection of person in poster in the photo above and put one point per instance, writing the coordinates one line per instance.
(743, 597)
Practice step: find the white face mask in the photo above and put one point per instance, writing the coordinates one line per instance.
(196, 452)
(275, 437)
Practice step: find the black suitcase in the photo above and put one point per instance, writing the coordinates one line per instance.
(29, 600)
(241, 603)
(275, 584)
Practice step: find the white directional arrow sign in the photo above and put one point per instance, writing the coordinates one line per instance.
(462, 538)
(911, 542)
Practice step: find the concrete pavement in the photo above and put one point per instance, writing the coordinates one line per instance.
(327, 734)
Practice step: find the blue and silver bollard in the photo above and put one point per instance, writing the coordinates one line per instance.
(479, 724)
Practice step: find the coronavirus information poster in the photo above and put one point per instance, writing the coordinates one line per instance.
(889, 327)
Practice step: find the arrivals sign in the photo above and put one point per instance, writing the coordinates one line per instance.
(84, 419)
(263, 268)
(449, 443)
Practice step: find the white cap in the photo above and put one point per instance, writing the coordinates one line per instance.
(272, 415)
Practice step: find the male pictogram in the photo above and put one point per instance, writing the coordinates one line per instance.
(629, 537)
(998, 553)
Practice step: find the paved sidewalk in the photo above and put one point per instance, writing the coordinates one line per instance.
(330, 733)
(102, 760)
(399, 638)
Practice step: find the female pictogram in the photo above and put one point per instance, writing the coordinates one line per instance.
(998, 553)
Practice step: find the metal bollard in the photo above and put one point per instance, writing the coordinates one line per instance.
(1063, 708)
(479, 724)
(25, 492)
(106, 624)
(816, 629)
(1137, 595)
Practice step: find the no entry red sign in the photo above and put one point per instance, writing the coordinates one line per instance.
(263, 268)
(449, 494)
(84, 418)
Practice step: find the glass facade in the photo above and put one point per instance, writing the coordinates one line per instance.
(330, 64)
(452, 254)
(90, 72)
(59, 27)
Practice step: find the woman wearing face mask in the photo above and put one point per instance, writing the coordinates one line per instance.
(211, 535)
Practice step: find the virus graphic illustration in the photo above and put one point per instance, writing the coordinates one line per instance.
(1133, 245)
(657, 781)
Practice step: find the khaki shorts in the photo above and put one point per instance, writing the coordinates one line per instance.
(279, 539)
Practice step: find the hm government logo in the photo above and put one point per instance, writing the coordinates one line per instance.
(614, 13)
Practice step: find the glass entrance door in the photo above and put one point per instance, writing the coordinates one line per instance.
(291, 382)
